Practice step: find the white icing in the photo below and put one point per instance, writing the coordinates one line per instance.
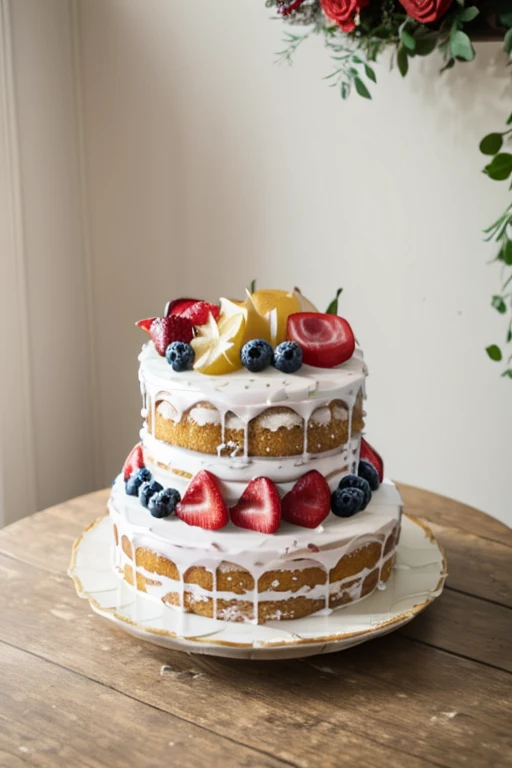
(203, 416)
(274, 421)
(166, 411)
(340, 413)
(321, 416)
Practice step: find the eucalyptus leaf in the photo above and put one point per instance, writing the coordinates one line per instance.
(407, 39)
(425, 47)
(470, 13)
(370, 74)
(361, 88)
(252, 286)
(507, 253)
(491, 144)
(508, 373)
(509, 120)
(500, 166)
(494, 352)
(499, 304)
(461, 46)
(507, 42)
(402, 61)
(332, 309)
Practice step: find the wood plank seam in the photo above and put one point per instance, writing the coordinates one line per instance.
(477, 597)
(284, 761)
(53, 663)
(453, 653)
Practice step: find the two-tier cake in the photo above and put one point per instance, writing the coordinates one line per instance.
(252, 495)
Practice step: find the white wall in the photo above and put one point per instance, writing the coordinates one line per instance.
(209, 165)
(48, 446)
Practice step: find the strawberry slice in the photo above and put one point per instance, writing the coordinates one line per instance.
(309, 501)
(145, 324)
(134, 461)
(203, 505)
(370, 454)
(164, 330)
(326, 340)
(177, 306)
(259, 507)
(195, 311)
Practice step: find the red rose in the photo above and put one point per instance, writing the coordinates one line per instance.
(426, 11)
(343, 12)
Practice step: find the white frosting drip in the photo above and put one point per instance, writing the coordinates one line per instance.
(203, 416)
(322, 416)
(274, 421)
(340, 413)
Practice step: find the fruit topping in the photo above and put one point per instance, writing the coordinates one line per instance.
(217, 346)
(309, 501)
(257, 355)
(369, 473)
(134, 461)
(164, 330)
(203, 505)
(326, 340)
(259, 507)
(256, 326)
(163, 503)
(180, 356)
(147, 490)
(279, 305)
(353, 481)
(195, 311)
(135, 481)
(346, 502)
(288, 357)
(370, 454)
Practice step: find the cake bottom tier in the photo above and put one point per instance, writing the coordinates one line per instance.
(236, 575)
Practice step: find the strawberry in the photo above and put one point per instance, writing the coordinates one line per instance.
(134, 461)
(259, 507)
(202, 505)
(164, 330)
(195, 311)
(145, 324)
(177, 306)
(309, 501)
(370, 454)
(326, 340)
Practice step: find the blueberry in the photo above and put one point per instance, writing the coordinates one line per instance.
(163, 503)
(256, 355)
(288, 357)
(180, 356)
(369, 473)
(353, 481)
(346, 502)
(147, 490)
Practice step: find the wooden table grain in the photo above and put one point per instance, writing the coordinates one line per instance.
(76, 691)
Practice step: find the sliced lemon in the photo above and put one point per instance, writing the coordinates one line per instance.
(284, 304)
(218, 345)
(256, 326)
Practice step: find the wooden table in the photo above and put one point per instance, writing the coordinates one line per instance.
(76, 691)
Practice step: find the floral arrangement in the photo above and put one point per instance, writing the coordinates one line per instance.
(356, 32)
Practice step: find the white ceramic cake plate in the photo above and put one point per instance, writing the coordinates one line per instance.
(417, 579)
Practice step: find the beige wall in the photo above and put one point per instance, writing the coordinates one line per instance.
(206, 165)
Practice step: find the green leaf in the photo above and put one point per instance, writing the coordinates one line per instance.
(370, 74)
(491, 144)
(449, 64)
(507, 373)
(507, 253)
(499, 304)
(506, 18)
(461, 46)
(407, 39)
(509, 120)
(361, 88)
(402, 61)
(500, 166)
(252, 287)
(332, 309)
(425, 47)
(507, 42)
(344, 90)
(509, 334)
(468, 14)
(494, 353)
